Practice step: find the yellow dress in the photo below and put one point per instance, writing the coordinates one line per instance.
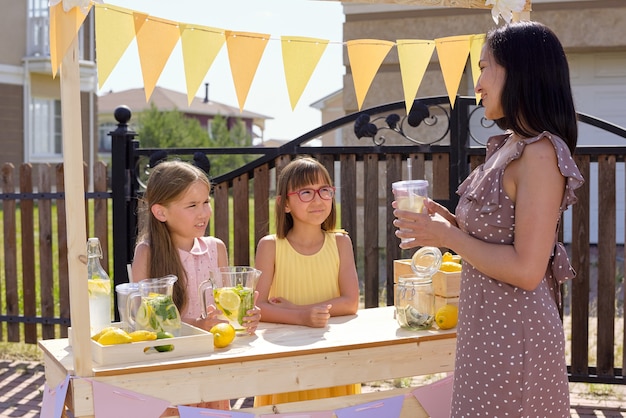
(306, 279)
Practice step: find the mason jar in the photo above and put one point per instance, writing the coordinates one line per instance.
(415, 302)
(415, 298)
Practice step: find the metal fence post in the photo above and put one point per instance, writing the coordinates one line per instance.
(124, 203)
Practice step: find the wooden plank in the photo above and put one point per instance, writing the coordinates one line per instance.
(394, 173)
(241, 220)
(28, 253)
(221, 216)
(100, 214)
(348, 197)
(441, 176)
(606, 265)
(46, 276)
(261, 202)
(75, 209)
(10, 252)
(370, 229)
(64, 282)
(418, 166)
(580, 284)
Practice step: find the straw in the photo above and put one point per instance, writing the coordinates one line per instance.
(409, 169)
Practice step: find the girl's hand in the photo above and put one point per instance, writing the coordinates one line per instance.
(253, 316)
(317, 316)
(208, 322)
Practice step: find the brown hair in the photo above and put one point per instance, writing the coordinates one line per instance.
(168, 181)
(300, 173)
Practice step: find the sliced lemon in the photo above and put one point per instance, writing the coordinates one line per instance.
(142, 335)
(450, 266)
(229, 300)
(144, 313)
(97, 336)
(99, 286)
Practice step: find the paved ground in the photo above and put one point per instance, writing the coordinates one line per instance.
(21, 386)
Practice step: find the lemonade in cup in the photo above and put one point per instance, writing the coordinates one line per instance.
(410, 195)
(232, 289)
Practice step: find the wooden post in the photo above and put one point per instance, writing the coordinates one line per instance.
(75, 210)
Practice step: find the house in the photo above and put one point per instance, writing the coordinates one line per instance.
(201, 109)
(30, 98)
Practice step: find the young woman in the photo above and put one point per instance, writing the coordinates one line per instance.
(510, 358)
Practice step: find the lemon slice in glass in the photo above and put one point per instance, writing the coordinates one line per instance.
(99, 287)
(229, 300)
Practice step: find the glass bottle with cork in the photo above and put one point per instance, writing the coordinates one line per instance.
(99, 286)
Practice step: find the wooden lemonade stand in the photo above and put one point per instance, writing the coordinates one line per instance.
(365, 347)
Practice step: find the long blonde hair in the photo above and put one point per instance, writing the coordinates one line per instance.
(167, 183)
(299, 173)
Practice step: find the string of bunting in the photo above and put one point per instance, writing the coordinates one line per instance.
(156, 39)
(109, 400)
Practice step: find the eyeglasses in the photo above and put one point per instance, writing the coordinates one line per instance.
(307, 195)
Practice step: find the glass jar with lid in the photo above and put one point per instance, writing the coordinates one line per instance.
(415, 298)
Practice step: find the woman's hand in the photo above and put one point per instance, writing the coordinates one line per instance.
(432, 228)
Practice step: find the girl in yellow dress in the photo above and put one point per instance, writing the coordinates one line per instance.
(308, 270)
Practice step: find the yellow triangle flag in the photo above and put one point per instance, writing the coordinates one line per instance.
(453, 52)
(156, 38)
(201, 45)
(245, 50)
(64, 27)
(414, 56)
(366, 56)
(115, 30)
(476, 46)
(300, 58)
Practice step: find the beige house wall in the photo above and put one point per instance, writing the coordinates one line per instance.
(582, 26)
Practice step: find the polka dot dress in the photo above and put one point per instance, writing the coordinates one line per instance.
(510, 359)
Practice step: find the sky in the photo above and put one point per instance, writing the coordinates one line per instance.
(268, 93)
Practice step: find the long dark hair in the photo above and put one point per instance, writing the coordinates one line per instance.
(537, 95)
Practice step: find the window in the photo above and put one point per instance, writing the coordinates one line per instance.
(38, 20)
(104, 139)
(45, 143)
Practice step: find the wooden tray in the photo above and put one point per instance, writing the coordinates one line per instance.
(192, 341)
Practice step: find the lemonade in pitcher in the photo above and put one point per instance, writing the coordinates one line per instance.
(234, 302)
(158, 313)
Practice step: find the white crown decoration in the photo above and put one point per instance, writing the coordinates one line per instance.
(505, 8)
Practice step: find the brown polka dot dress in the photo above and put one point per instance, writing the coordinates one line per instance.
(510, 359)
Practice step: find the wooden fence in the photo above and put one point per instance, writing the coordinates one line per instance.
(34, 248)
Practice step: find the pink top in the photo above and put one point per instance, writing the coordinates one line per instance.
(197, 263)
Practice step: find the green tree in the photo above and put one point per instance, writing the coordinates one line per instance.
(170, 129)
(222, 137)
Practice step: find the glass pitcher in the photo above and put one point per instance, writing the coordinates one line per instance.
(157, 311)
(233, 293)
(415, 298)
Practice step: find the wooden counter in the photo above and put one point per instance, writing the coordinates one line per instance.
(365, 347)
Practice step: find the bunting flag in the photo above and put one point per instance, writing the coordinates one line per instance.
(316, 414)
(193, 412)
(300, 58)
(200, 45)
(156, 39)
(414, 56)
(245, 50)
(64, 27)
(112, 401)
(112, 43)
(436, 398)
(453, 52)
(476, 46)
(53, 403)
(366, 56)
(388, 408)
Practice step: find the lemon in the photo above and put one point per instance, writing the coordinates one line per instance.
(142, 335)
(97, 336)
(115, 336)
(229, 300)
(99, 286)
(448, 256)
(450, 266)
(144, 313)
(161, 335)
(223, 335)
(447, 316)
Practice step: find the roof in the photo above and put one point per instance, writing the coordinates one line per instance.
(165, 99)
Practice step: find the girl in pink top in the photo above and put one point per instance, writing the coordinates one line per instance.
(171, 241)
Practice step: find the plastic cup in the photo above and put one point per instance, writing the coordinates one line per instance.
(410, 195)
